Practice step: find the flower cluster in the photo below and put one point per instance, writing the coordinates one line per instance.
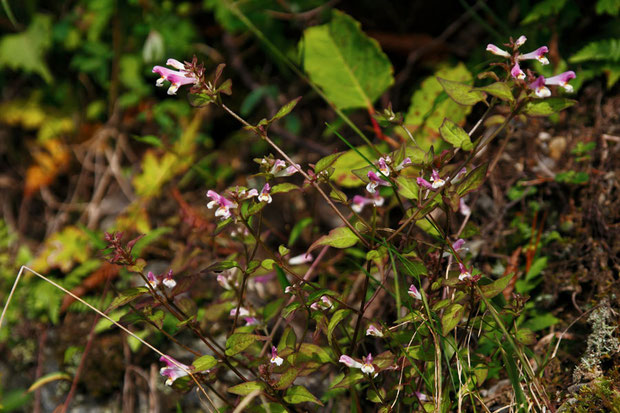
(156, 280)
(177, 78)
(538, 85)
(225, 206)
(384, 166)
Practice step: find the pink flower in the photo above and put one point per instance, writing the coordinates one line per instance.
(458, 244)
(413, 292)
(225, 205)
(323, 304)
(251, 321)
(264, 195)
(539, 88)
(173, 369)
(520, 41)
(497, 51)
(366, 365)
(516, 72)
(372, 330)
(375, 181)
(538, 54)
(243, 312)
(279, 168)
(176, 78)
(153, 280)
(436, 181)
(562, 80)
(275, 359)
(465, 274)
(226, 280)
(464, 208)
(405, 163)
(359, 202)
(383, 165)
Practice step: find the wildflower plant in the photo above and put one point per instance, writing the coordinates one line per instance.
(279, 318)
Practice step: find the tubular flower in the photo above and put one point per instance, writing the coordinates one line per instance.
(538, 54)
(153, 280)
(275, 359)
(465, 274)
(173, 369)
(436, 181)
(497, 51)
(372, 330)
(225, 205)
(251, 321)
(458, 244)
(243, 312)
(227, 280)
(279, 168)
(366, 366)
(375, 181)
(405, 163)
(516, 72)
(264, 195)
(323, 304)
(562, 80)
(359, 202)
(383, 165)
(539, 88)
(300, 259)
(413, 292)
(177, 78)
(464, 208)
(521, 41)
(349, 362)
(168, 281)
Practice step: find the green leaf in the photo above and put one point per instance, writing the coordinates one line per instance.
(299, 394)
(204, 363)
(611, 7)
(238, 342)
(461, 93)
(525, 336)
(430, 105)
(297, 230)
(455, 135)
(543, 9)
(536, 268)
(424, 352)
(222, 265)
(349, 161)
(25, 51)
(48, 378)
(348, 65)
(271, 309)
(496, 287)
(540, 322)
(326, 162)
(149, 139)
(283, 188)
(290, 309)
(336, 318)
(246, 388)
(267, 263)
(407, 187)
(451, 317)
(499, 89)
(341, 237)
(284, 110)
(126, 296)
(472, 180)
(287, 378)
(548, 106)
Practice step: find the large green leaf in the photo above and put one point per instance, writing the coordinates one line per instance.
(25, 51)
(299, 394)
(608, 49)
(430, 104)
(348, 65)
(547, 107)
(455, 135)
(341, 237)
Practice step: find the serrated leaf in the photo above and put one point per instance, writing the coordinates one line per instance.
(499, 89)
(348, 65)
(496, 287)
(238, 342)
(455, 135)
(333, 322)
(299, 394)
(451, 317)
(472, 180)
(204, 363)
(461, 93)
(341, 237)
(126, 296)
(246, 388)
(544, 8)
(548, 106)
(611, 7)
(283, 188)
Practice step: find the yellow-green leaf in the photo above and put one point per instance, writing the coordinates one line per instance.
(455, 135)
(299, 394)
(341, 237)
